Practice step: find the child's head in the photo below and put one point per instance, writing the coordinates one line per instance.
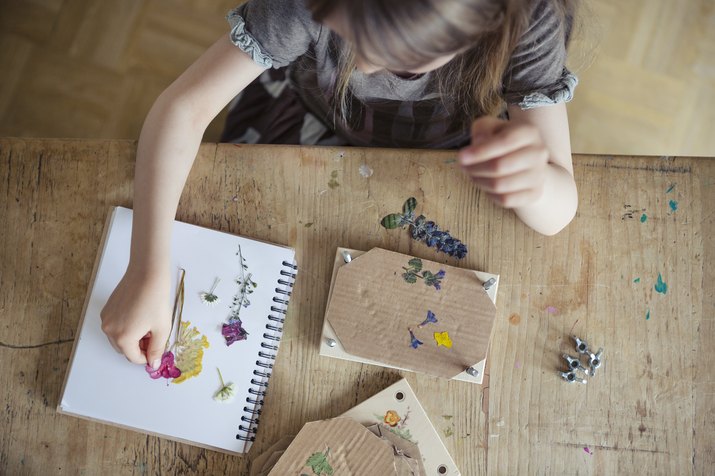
(468, 43)
(408, 36)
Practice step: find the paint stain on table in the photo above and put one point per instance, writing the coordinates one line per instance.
(644, 217)
(333, 184)
(661, 286)
(673, 205)
(514, 319)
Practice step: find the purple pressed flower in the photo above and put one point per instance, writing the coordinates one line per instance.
(233, 331)
(425, 230)
(166, 369)
(414, 341)
(430, 318)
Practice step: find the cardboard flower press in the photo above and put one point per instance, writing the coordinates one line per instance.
(406, 312)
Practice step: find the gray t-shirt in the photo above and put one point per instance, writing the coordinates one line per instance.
(385, 109)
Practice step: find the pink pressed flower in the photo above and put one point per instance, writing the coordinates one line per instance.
(234, 331)
(166, 369)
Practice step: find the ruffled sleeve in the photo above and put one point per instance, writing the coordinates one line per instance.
(537, 75)
(274, 33)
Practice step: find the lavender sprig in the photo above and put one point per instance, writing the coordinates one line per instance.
(422, 229)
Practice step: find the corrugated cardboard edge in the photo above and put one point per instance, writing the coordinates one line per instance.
(430, 444)
(339, 352)
(360, 450)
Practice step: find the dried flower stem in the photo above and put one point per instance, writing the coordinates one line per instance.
(178, 311)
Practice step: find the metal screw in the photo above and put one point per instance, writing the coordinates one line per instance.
(595, 361)
(571, 377)
(581, 346)
(575, 364)
(331, 342)
(489, 283)
(346, 256)
(472, 371)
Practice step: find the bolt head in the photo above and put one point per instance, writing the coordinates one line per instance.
(331, 342)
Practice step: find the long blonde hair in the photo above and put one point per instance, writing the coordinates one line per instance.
(410, 33)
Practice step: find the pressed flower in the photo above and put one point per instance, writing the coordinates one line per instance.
(234, 331)
(414, 341)
(422, 229)
(209, 298)
(430, 319)
(443, 339)
(226, 392)
(318, 462)
(415, 271)
(189, 348)
(166, 369)
(391, 418)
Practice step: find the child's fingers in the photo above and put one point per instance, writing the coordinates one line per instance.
(519, 181)
(505, 141)
(516, 199)
(129, 346)
(155, 349)
(486, 126)
(517, 161)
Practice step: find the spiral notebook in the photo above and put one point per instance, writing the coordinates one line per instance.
(226, 280)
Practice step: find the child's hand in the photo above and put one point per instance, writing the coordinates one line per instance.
(507, 160)
(137, 317)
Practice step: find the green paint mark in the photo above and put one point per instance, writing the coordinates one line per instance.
(647, 315)
(661, 286)
(673, 205)
(450, 161)
(670, 189)
(308, 225)
(447, 432)
(637, 280)
(644, 217)
(447, 417)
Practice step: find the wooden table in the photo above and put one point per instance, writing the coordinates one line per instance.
(650, 409)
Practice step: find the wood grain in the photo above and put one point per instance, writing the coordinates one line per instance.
(649, 410)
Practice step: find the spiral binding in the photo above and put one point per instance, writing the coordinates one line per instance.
(264, 363)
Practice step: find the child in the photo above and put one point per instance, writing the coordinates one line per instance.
(396, 73)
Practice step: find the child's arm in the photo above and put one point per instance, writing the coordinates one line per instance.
(525, 164)
(137, 316)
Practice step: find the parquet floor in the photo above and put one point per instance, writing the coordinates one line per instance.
(92, 68)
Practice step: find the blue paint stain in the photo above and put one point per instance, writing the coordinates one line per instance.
(637, 280)
(673, 205)
(644, 217)
(647, 315)
(670, 189)
(661, 286)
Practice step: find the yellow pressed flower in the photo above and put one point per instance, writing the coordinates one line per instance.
(442, 338)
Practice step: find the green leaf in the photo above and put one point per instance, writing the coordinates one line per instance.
(416, 264)
(409, 205)
(410, 277)
(318, 462)
(428, 275)
(391, 221)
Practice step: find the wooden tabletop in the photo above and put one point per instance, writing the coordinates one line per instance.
(650, 408)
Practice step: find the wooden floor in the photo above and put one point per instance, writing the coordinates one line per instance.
(91, 69)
